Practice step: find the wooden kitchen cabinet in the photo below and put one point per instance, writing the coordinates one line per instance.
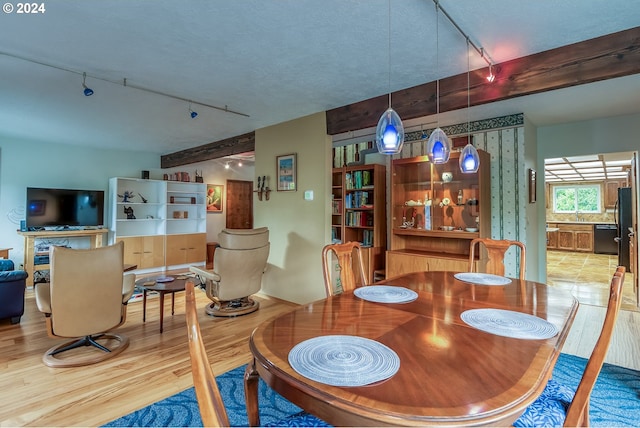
(611, 192)
(143, 251)
(575, 237)
(552, 237)
(186, 248)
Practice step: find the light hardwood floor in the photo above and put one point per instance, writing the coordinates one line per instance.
(156, 365)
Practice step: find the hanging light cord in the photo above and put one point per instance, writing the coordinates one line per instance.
(389, 53)
(437, 65)
(468, 94)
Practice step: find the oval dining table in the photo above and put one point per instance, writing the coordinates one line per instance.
(450, 373)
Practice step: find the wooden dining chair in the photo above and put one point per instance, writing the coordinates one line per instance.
(210, 403)
(349, 265)
(496, 249)
(549, 408)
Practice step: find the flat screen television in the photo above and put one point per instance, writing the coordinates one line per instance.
(64, 208)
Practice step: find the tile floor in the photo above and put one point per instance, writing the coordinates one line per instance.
(588, 276)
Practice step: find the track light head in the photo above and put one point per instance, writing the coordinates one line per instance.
(192, 113)
(491, 77)
(87, 91)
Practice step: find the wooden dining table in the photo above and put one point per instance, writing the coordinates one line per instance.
(450, 373)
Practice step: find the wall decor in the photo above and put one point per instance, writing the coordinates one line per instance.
(214, 198)
(286, 166)
(532, 185)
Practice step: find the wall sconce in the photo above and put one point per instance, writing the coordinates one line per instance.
(87, 91)
(263, 189)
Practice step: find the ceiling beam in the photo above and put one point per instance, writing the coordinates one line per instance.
(230, 146)
(606, 57)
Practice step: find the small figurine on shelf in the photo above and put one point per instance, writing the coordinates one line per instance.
(144, 201)
(129, 212)
(126, 195)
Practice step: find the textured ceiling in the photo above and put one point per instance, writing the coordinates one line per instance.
(273, 61)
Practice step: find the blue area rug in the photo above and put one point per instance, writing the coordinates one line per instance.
(615, 401)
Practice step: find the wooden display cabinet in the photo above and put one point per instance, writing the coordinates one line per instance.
(144, 251)
(436, 211)
(186, 248)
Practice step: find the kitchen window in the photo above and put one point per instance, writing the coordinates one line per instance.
(574, 199)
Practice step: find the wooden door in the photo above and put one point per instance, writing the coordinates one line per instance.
(239, 204)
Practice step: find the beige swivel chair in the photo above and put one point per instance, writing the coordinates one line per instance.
(349, 263)
(238, 265)
(86, 298)
(495, 250)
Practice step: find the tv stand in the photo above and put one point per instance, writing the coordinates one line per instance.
(30, 239)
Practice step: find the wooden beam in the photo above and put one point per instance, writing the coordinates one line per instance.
(606, 57)
(231, 146)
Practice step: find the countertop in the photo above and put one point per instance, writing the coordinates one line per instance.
(580, 222)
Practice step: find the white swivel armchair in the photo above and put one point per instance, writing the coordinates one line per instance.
(238, 265)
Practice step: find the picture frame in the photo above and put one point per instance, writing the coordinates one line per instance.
(532, 186)
(286, 169)
(214, 196)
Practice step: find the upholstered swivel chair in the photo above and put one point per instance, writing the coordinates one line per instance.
(87, 297)
(495, 251)
(558, 405)
(12, 286)
(238, 265)
(348, 261)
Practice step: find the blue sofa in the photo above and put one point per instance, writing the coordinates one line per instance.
(12, 286)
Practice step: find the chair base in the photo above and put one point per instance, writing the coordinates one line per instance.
(232, 308)
(84, 358)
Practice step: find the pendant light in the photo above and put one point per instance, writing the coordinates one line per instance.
(469, 158)
(438, 146)
(390, 131)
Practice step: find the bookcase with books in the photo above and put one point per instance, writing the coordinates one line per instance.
(359, 212)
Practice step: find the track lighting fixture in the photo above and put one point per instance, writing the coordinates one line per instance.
(87, 91)
(192, 113)
(390, 131)
(491, 77)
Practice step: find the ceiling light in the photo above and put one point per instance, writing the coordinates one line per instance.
(438, 146)
(586, 158)
(226, 165)
(587, 164)
(239, 163)
(87, 91)
(618, 163)
(469, 159)
(192, 113)
(557, 166)
(390, 131)
(553, 160)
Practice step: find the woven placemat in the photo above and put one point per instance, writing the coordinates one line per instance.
(385, 294)
(509, 323)
(341, 360)
(482, 278)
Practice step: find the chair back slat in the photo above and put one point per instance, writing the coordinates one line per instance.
(350, 265)
(495, 252)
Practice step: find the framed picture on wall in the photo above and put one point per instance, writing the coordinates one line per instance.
(214, 198)
(286, 166)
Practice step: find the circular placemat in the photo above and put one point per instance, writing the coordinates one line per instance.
(344, 360)
(164, 279)
(386, 294)
(482, 278)
(509, 323)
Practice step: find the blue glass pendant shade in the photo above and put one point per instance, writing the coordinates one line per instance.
(438, 147)
(469, 159)
(389, 133)
(87, 91)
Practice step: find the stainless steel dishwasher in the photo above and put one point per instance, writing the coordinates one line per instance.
(604, 239)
